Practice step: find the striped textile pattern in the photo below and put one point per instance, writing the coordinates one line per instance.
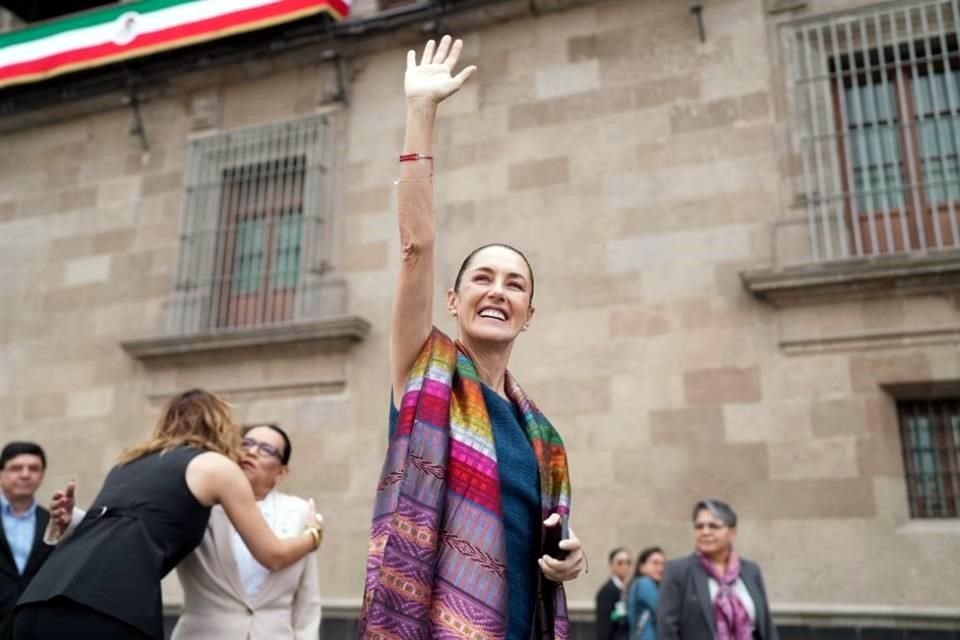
(436, 566)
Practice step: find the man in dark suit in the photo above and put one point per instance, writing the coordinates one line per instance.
(611, 621)
(22, 551)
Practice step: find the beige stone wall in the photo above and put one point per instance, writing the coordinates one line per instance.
(640, 170)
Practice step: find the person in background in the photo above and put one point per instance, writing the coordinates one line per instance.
(226, 591)
(22, 551)
(714, 594)
(611, 623)
(104, 580)
(642, 595)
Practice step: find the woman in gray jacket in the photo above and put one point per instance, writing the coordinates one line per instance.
(714, 594)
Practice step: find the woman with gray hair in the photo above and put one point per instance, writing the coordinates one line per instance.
(713, 594)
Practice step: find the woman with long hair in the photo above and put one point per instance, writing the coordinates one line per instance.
(469, 536)
(103, 581)
(642, 594)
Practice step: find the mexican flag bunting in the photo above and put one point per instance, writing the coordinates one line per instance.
(136, 29)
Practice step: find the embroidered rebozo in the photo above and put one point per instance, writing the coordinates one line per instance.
(436, 566)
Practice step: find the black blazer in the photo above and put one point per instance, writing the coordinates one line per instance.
(12, 583)
(685, 611)
(606, 600)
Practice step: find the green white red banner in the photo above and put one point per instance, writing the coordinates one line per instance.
(137, 29)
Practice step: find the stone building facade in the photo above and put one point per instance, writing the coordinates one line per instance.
(694, 336)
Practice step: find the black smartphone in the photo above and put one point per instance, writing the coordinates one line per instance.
(552, 537)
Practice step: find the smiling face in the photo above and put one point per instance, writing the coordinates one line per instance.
(492, 302)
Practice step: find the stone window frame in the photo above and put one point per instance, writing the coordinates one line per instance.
(803, 271)
(319, 317)
(200, 283)
(853, 76)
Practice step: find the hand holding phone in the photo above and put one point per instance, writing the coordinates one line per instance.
(556, 528)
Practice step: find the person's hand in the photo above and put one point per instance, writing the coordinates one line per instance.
(314, 520)
(432, 78)
(568, 568)
(61, 506)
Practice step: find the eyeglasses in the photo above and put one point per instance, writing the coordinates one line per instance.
(713, 526)
(262, 448)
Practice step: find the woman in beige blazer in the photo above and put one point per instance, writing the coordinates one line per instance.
(216, 603)
(226, 593)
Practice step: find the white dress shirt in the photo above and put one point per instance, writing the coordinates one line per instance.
(741, 592)
(252, 573)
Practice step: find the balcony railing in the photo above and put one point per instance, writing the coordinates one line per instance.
(876, 97)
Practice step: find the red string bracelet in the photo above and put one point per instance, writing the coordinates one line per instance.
(413, 157)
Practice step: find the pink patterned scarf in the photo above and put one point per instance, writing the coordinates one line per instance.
(733, 621)
(437, 567)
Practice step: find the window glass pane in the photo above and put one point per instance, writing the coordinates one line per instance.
(932, 491)
(248, 257)
(955, 424)
(286, 251)
(875, 147)
(938, 131)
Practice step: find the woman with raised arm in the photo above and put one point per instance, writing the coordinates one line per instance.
(469, 536)
(103, 580)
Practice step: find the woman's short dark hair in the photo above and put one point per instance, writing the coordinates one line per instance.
(720, 510)
(466, 263)
(287, 447)
(644, 556)
(19, 448)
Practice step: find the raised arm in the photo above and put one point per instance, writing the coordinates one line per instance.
(213, 479)
(426, 85)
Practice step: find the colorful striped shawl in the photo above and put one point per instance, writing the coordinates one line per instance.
(437, 559)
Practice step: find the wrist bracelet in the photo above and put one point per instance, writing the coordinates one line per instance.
(413, 157)
(316, 535)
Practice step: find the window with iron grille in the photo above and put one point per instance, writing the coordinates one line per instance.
(930, 433)
(251, 241)
(877, 98)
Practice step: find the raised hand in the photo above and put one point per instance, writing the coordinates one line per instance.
(61, 506)
(433, 78)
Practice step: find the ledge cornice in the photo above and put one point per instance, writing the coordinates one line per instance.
(330, 334)
(926, 274)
